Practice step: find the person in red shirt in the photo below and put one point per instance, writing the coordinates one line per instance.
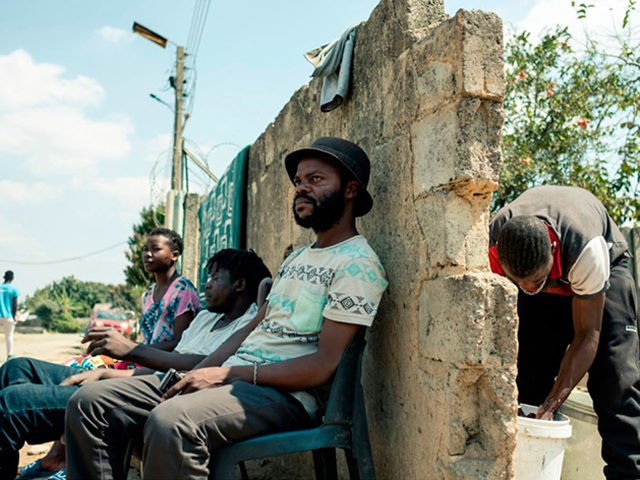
(577, 311)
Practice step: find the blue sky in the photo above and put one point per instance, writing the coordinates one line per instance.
(80, 138)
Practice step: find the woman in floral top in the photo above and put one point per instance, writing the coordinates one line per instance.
(164, 320)
(169, 305)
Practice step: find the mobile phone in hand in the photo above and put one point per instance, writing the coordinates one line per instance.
(170, 378)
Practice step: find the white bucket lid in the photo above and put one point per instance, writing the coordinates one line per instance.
(559, 427)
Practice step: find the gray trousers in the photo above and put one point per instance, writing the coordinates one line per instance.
(179, 433)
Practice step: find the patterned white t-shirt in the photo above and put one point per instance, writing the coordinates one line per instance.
(342, 283)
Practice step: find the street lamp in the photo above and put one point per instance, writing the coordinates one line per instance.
(174, 204)
(149, 34)
(159, 100)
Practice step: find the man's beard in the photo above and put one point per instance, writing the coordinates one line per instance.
(326, 213)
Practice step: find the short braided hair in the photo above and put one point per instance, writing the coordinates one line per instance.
(175, 240)
(524, 245)
(240, 264)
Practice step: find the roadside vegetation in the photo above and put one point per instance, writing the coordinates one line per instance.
(572, 112)
(65, 306)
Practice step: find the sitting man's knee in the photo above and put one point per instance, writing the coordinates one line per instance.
(163, 418)
(87, 395)
(13, 370)
(7, 397)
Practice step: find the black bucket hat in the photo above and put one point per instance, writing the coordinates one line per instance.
(348, 155)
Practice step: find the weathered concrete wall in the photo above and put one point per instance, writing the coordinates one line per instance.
(426, 106)
(191, 236)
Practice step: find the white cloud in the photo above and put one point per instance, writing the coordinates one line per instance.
(29, 193)
(602, 20)
(131, 192)
(62, 139)
(158, 154)
(13, 238)
(158, 146)
(112, 34)
(26, 83)
(44, 123)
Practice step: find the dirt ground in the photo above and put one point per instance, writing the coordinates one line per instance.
(53, 347)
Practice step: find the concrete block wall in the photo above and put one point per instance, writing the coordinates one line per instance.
(191, 237)
(426, 106)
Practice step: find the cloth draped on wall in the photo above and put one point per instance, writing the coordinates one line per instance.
(333, 64)
(222, 214)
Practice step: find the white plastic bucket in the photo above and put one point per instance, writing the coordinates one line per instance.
(582, 459)
(540, 446)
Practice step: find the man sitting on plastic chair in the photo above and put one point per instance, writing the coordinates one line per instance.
(262, 379)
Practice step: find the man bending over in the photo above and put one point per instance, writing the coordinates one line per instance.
(577, 311)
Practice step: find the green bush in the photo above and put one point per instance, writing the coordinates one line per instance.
(46, 310)
(65, 323)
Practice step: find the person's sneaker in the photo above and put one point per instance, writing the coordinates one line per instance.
(59, 475)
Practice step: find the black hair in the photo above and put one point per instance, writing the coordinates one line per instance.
(524, 245)
(241, 264)
(8, 275)
(175, 240)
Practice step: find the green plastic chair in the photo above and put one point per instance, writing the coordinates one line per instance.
(344, 426)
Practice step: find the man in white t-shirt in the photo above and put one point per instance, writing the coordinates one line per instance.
(261, 380)
(34, 393)
(577, 312)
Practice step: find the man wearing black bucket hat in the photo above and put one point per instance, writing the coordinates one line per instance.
(577, 310)
(264, 378)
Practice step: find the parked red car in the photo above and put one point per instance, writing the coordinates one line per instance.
(110, 318)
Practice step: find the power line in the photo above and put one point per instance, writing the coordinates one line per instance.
(198, 37)
(193, 28)
(198, 22)
(65, 260)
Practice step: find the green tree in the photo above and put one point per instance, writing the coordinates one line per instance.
(127, 297)
(571, 118)
(46, 310)
(135, 274)
(64, 304)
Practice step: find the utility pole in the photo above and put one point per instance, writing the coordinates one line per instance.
(178, 84)
(174, 215)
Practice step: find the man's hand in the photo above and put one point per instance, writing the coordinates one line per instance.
(552, 404)
(198, 380)
(587, 323)
(89, 376)
(85, 377)
(107, 341)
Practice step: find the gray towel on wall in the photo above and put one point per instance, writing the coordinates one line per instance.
(333, 64)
